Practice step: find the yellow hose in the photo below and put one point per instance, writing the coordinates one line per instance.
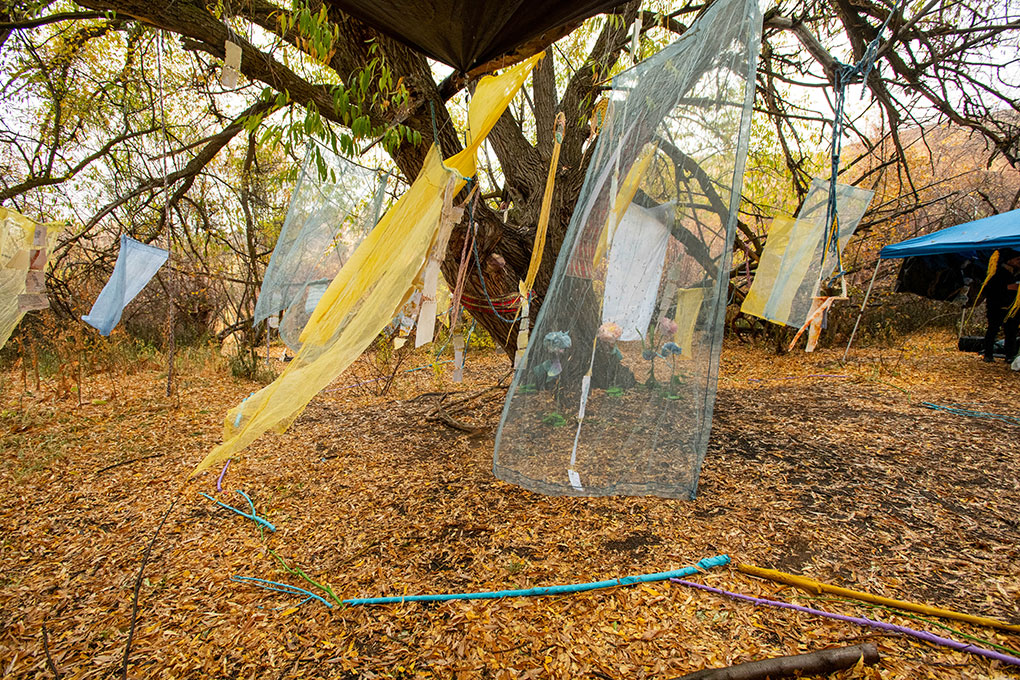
(817, 587)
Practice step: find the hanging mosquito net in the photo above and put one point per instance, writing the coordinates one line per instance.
(377, 281)
(334, 204)
(791, 271)
(614, 394)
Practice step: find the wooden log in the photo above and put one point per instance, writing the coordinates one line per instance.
(815, 663)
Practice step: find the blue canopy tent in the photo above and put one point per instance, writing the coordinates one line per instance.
(987, 234)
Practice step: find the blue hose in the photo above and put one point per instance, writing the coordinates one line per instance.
(280, 588)
(708, 562)
(252, 516)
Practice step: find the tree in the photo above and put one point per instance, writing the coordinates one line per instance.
(81, 75)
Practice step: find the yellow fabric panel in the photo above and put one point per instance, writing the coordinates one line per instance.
(372, 286)
(16, 235)
(688, 306)
(768, 269)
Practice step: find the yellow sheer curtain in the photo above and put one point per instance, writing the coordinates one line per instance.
(17, 234)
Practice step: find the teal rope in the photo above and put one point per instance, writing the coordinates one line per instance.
(280, 588)
(253, 513)
(478, 264)
(252, 516)
(845, 74)
(708, 562)
(1012, 420)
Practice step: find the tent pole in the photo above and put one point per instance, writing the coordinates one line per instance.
(863, 305)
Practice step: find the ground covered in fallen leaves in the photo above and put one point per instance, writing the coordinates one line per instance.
(818, 468)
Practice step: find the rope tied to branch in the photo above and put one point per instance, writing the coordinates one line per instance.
(844, 75)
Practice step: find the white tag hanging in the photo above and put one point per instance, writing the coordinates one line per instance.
(636, 41)
(427, 315)
(231, 65)
(522, 332)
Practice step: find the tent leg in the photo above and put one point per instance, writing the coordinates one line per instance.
(863, 305)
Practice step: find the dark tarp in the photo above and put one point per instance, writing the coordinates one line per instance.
(468, 33)
(945, 263)
(949, 276)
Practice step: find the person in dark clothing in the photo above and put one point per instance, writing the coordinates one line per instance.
(1000, 293)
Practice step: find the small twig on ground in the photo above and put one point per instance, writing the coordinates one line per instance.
(474, 395)
(138, 587)
(442, 416)
(125, 462)
(46, 648)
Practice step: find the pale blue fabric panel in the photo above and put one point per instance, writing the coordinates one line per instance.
(136, 264)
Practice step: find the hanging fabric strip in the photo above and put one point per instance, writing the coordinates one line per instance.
(34, 298)
(523, 330)
(24, 248)
(231, 64)
(543, 216)
(458, 288)
(541, 230)
(813, 325)
(427, 316)
(458, 357)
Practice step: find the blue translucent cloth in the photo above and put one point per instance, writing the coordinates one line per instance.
(136, 264)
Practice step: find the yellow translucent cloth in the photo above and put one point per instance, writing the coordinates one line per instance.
(17, 233)
(374, 283)
(792, 265)
(765, 277)
(688, 307)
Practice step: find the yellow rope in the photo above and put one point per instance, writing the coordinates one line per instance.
(817, 587)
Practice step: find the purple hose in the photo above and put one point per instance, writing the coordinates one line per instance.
(219, 480)
(920, 634)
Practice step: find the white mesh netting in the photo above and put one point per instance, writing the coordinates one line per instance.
(615, 392)
(334, 204)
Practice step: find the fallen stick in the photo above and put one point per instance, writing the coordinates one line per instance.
(822, 662)
(125, 462)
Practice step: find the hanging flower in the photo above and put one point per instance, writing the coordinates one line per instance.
(667, 326)
(670, 348)
(610, 332)
(648, 354)
(553, 367)
(557, 341)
